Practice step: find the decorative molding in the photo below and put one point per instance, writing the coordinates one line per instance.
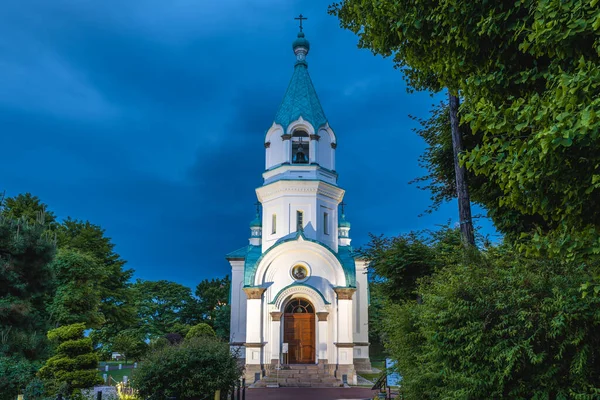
(276, 315)
(286, 136)
(309, 292)
(344, 293)
(315, 137)
(254, 344)
(334, 145)
(267, 145)
(318, 187)
(344, 344)
(322, 316)
(362, 343)
(236, 343)
(254, 292)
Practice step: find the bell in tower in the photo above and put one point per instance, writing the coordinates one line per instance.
(300, 156)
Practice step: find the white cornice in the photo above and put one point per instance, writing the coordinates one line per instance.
(281, 187)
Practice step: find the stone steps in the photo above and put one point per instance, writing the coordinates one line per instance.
(299, 376)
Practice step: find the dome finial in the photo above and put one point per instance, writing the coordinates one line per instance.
(301, 45)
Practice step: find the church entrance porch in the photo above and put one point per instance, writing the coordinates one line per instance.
(299, 332)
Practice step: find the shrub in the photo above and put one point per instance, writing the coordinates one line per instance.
(195, 368)
(174, 338)
(499, 326)
(199, 330)
(74, 365)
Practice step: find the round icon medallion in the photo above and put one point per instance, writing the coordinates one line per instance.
(299, 272)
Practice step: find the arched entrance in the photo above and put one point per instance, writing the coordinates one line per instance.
(299, 331)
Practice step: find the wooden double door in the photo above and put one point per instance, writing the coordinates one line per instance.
(299, 333)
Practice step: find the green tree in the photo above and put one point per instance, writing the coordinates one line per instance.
(74, 365)
(117, 305)
(25, 283)
(194, 369)
(28, 208)
(77, 298)
(130, 344)
(85, 238)
(527, 72)
(161, 306)
(199, 330)
(212, 304)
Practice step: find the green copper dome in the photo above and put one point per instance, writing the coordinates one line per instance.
(301, 42)
(300, 99)
(343, 223)
(256, 222)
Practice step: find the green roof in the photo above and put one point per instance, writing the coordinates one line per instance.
(343, 223)
(239, 253)
(256, 221)
(300, 99)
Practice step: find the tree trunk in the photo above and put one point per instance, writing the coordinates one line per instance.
(462, 189)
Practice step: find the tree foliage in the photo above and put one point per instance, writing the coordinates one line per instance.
(212, 304)
(200, 330)
(27, 208)
(74, 365)
(25, 284)
(162, 306)
(130, 344)
(194, 369)
(499, 325)
(77, 298)
(116, 301)
(528, 74)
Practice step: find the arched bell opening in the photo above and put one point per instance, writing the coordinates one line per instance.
(299, 331)
(300, 147)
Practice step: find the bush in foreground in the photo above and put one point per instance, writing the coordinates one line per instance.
(195, 368)
(499, 326)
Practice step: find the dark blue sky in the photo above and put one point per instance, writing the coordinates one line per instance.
(147, 117)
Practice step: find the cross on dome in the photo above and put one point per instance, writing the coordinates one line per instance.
(300, 18)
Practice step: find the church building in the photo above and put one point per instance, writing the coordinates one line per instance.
(299, 292)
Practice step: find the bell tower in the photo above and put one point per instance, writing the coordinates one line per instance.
(298, 285)
(300, 191)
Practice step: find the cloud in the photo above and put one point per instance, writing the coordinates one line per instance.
(148, 118)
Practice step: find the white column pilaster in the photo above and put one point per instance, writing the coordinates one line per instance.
(345, 339)
(322, 340)
(275, 337)
(313, 148)
(287, 148)
(254, 338)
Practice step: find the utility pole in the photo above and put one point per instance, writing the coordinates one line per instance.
(462, 188)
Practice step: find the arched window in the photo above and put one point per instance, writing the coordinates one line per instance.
(300, 147)
(299, 306)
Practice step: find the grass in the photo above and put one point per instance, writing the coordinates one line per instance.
(379, 364)
(118, 374)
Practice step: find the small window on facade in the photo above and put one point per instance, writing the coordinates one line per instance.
(299, 220)
(274, 224)
(326, 223)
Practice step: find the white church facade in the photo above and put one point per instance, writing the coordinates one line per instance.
(299, 292)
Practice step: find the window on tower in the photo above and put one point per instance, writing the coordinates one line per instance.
(274, 224)
(299, 220)
(326, 223)
(300, 147)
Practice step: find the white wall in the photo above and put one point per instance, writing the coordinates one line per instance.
(313, 198)
(238, 303)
